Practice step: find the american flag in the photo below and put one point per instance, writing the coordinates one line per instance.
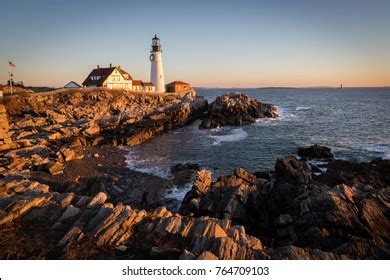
(10, 64)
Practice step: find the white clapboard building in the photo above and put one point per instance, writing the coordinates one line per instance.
(114, 77)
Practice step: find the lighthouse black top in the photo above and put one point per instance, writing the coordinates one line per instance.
(156, 46)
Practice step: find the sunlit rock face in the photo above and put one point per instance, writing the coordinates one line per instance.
(50, 130)
(236, 109)
(5, 136)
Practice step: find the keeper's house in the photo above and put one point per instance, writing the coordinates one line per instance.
(116, 78)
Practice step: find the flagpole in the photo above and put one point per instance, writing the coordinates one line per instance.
(10, 78)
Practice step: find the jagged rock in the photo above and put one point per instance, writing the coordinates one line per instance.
(293, 170)
(98, 200)
(70, 212)
(184, 173)
(55, 168)
(74, 151)
(236, 109)
(5, 137)
(93, 117)
(315, 151)
(201, 185)
(243, 174)
(20, 206)
(227, 198)
(375, 173)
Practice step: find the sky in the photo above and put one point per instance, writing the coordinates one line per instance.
(206, 43)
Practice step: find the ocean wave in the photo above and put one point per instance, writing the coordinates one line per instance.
(380, 149)
(284, 115)
(233, 135)
(152, 166)
(302, 108)
(178, 192)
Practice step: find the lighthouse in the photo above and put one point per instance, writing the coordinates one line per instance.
(156, 71)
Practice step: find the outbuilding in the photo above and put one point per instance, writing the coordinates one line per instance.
(178, 86)
(72, 84)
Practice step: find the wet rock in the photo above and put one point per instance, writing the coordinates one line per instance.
(375, 173)
(243, 174)
(184, 173)
(200, 187)
(315, 151)
(236, 109)
(293, 170)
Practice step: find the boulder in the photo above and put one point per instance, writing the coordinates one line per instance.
(184, 173)
(243, 174)
(200, 187)
(54, 168)
(315, 151)
(293, 170)
(236, 109)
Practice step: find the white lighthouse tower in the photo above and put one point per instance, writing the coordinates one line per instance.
(156, 71)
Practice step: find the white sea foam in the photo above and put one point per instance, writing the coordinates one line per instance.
(380, 149)
(233, 135)
(178, 192)
(284, 115)
(302, 108)
(319, 163)
(153, 166)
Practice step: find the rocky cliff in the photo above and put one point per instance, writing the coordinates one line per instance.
(289, 213)
(50, 130)
(340, 213)
(5, 136)
(296, 211)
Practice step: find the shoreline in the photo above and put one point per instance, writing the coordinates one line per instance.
(108, 173)
(76, 198)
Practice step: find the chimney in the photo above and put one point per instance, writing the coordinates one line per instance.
(110, 65)
(98, 66)
(119, 67)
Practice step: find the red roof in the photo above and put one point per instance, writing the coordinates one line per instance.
(141, 83)
(137, 83)
(1, 87)
(103, 73)
(178, 83)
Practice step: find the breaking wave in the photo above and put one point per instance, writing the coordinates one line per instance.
(228, 135)
(302, 108)
(284, 115)
(380, 149)
(156, 166)
(178, 192)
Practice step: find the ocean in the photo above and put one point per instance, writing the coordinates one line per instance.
(353, 122)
